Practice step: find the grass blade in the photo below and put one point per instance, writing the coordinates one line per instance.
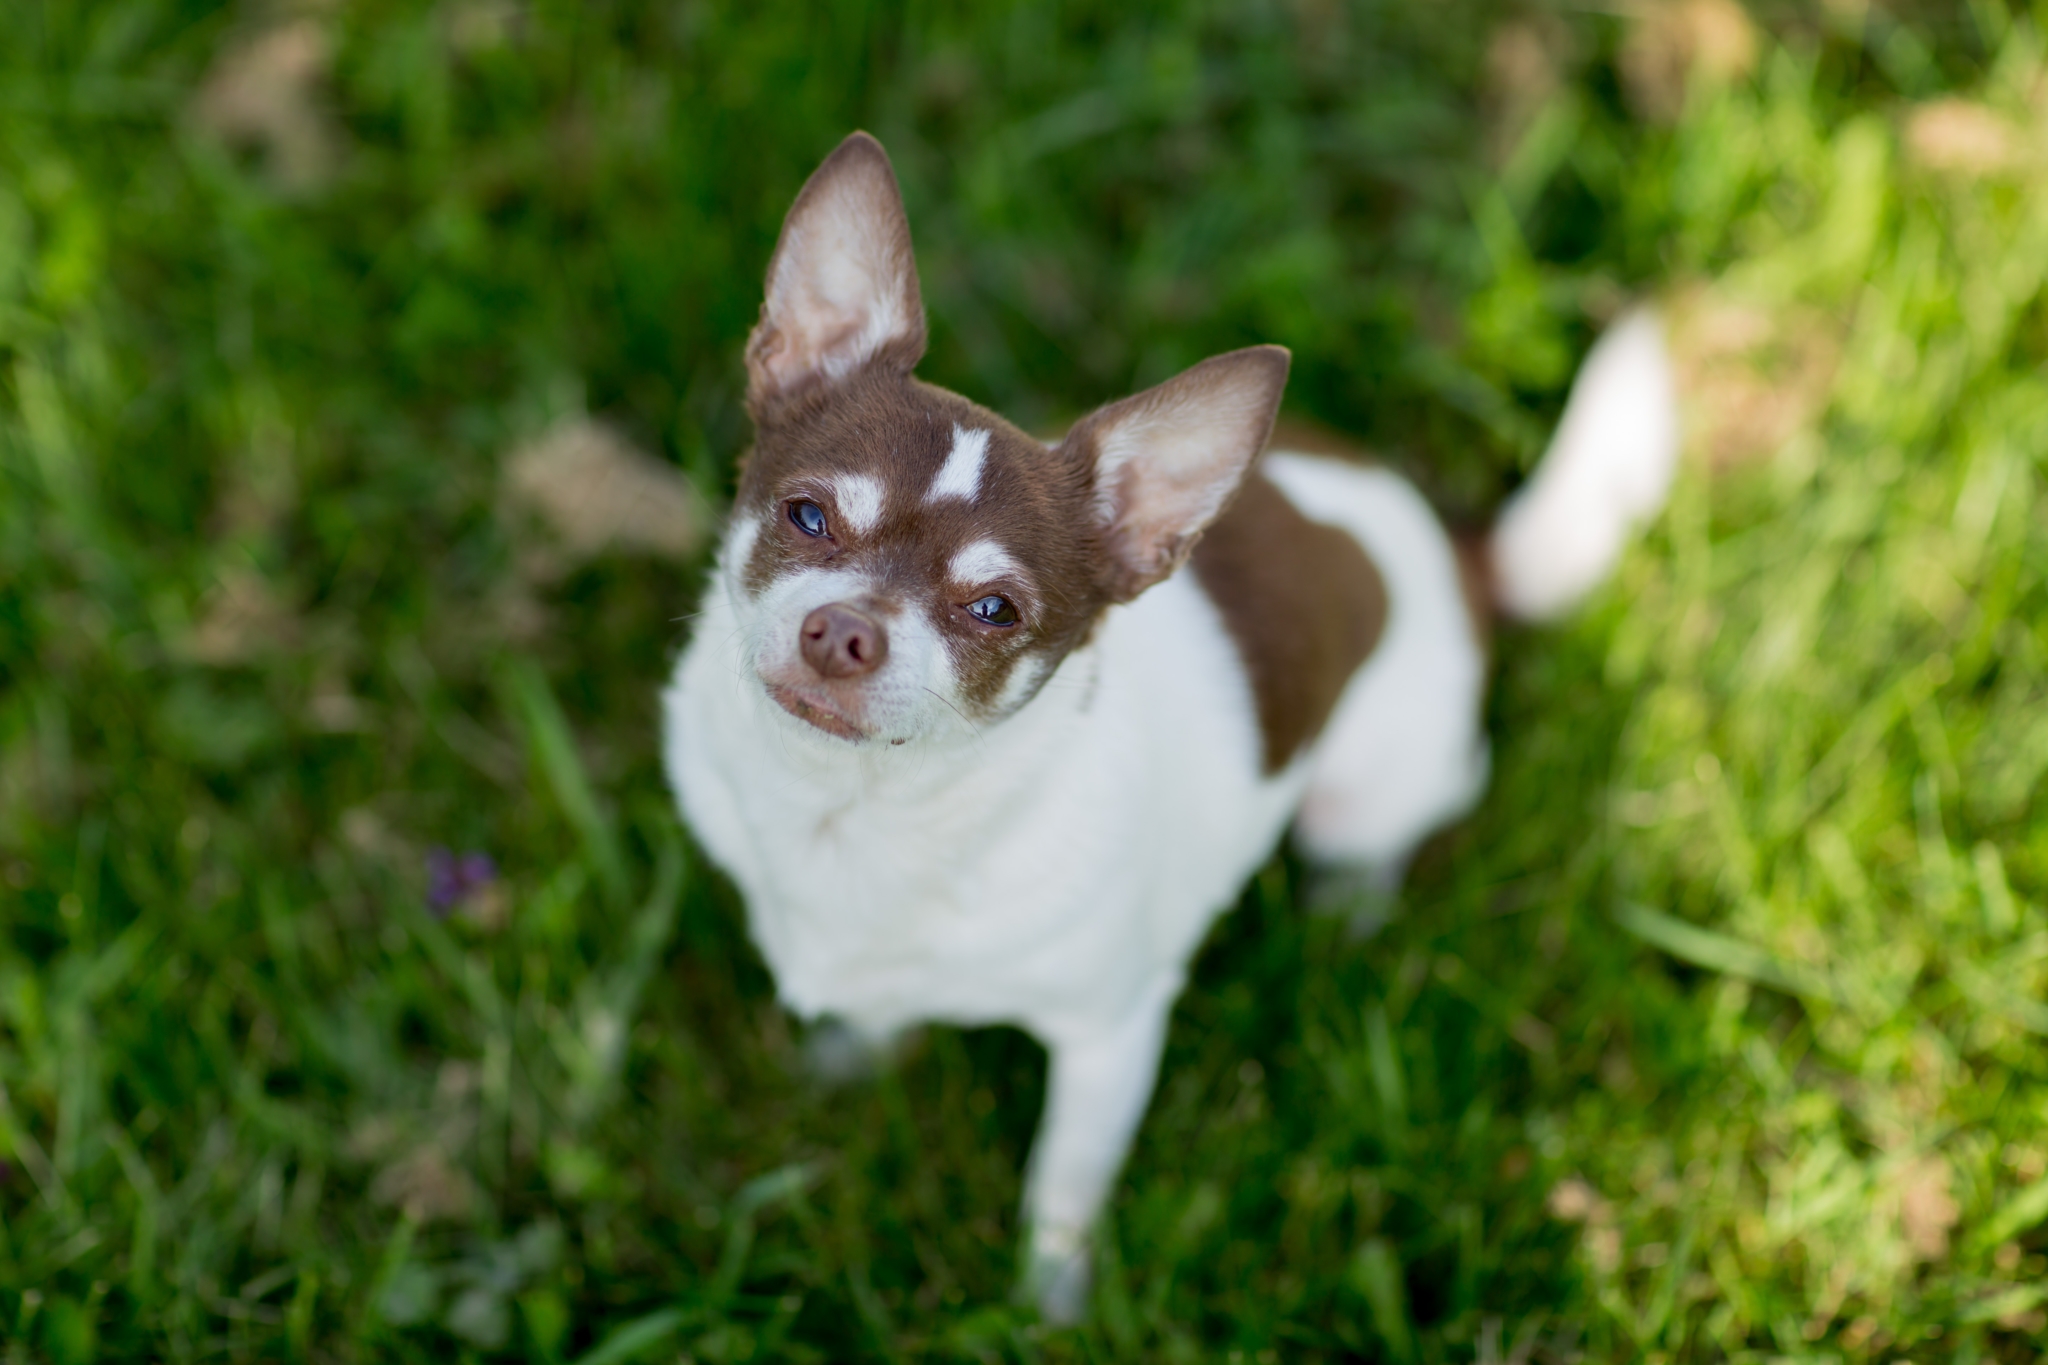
(530, 699)
(2023, 1211)
(637, 1337)
(1376, 1275)
(1718, 952)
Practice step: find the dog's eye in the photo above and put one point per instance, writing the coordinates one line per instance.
(994, 611)
(808, 516)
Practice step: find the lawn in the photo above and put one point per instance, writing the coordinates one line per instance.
(362, 997)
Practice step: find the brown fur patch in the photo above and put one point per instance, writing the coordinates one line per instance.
(1304, 604)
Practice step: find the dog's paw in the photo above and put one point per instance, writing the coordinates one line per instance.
(1058, 1274)
(836, 1053)
(1367, 899)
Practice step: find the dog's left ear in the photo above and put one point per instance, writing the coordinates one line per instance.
(842, 285)
(1167, 460)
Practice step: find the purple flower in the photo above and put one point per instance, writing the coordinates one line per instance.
(451, 878)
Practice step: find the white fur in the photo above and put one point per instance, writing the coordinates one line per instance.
(1608, 468)
(858, 498)
(740, 538)
(984, 561)
(960, 476)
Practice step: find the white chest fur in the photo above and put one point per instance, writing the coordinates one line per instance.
(1048, 872)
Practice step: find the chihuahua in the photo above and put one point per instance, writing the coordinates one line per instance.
(989, 730)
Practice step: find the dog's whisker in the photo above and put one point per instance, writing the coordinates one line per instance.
(971, 726)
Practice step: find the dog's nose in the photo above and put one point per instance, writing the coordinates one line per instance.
(840, 642)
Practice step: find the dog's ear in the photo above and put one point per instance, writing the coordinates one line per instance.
(842, 285)
(1168, 460)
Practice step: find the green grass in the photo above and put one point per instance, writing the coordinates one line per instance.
(1716, 1033)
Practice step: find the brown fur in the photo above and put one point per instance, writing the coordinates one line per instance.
(1475, 584)
(1304, 604)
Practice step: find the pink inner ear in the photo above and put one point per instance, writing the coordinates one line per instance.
(1152, 519)
(788, 358)
(1153, 535)
(768, 348)
(842, 288)
(1168, 460)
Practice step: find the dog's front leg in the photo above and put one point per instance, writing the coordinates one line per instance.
(1096, 1093)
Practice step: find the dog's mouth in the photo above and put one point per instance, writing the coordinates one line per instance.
(815, 713)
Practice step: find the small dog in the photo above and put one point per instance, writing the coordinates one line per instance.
(990, 731)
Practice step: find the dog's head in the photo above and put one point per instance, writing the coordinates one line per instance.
(907, 564)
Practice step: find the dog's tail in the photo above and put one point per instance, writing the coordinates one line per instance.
(1608, 468)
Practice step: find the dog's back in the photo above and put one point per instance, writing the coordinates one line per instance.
(1375, 659)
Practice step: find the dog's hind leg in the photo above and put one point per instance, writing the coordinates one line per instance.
(1097, 1087)
(838, 1051)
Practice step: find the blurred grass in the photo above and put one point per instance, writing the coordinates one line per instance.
(1715, 1034)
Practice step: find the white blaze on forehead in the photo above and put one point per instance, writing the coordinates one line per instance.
(981, 562)
(960, 477)
(859, 498)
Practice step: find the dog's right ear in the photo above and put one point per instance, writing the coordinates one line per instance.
(842, 286)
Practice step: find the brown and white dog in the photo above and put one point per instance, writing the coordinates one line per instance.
(988, 730)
